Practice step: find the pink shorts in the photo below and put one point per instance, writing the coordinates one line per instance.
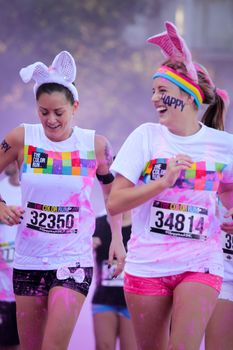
(166, 285)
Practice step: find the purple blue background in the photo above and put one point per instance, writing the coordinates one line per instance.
(115, 64)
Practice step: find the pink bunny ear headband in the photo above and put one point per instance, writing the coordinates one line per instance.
(174, 47)
(62, 71)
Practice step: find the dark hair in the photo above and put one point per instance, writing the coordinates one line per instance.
(49, 88)
(214, 114)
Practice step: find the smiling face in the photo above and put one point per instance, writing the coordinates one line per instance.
(56, 115)
(170, 102)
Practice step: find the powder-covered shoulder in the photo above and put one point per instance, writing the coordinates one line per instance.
(31, 125)
(147, 127)
(77, 129)
(32, 128)
(221, 137)
(225, 136)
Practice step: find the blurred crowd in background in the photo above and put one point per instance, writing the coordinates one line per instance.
(108, 41)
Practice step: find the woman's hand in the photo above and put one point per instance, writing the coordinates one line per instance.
(117, 251)
(96, 242)
(227, 226)
(174, 167)
(10, 214)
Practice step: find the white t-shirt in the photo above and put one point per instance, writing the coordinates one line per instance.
(177, 230)
(12, 195)
(227, 247)
(57, 180)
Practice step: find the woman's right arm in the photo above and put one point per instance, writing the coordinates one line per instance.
(11, 149)
(125, 195)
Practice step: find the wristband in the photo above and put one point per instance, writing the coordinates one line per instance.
(105, 179)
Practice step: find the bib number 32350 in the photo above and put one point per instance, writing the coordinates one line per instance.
(52, 219)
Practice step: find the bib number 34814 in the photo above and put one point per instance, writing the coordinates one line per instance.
(182, 220)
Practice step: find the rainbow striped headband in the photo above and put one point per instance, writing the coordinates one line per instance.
(183, 82)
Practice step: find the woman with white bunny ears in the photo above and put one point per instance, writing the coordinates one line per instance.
(168, 174)
(53, 261)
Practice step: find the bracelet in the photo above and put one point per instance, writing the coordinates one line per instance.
(2, 200)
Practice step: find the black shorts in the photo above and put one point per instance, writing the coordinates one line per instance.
(39, 282)
(8, 327)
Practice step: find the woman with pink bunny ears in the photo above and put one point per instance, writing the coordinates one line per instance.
(53, 262)
(168, 174)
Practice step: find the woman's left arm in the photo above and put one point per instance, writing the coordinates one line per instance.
(225, 192)
(104, 157)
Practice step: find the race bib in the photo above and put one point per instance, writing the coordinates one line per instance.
(7, 250)
(107, 273)
(227, 245)
(178, 219)
(52, 219)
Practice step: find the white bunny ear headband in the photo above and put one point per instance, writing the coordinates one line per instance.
(62, 71)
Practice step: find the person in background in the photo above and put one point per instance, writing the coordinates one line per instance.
(10, 189)
(218, 335)
(110, 314)
(168, 174)
(53, 261)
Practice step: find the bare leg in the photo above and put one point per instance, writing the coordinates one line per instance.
(64, 306)
(219, 335)
(106, 330)
(193, 305)
(31, 318)
(151, 320)
(126, 334)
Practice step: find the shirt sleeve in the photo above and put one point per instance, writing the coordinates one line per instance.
(131, 158)
(228, 174)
